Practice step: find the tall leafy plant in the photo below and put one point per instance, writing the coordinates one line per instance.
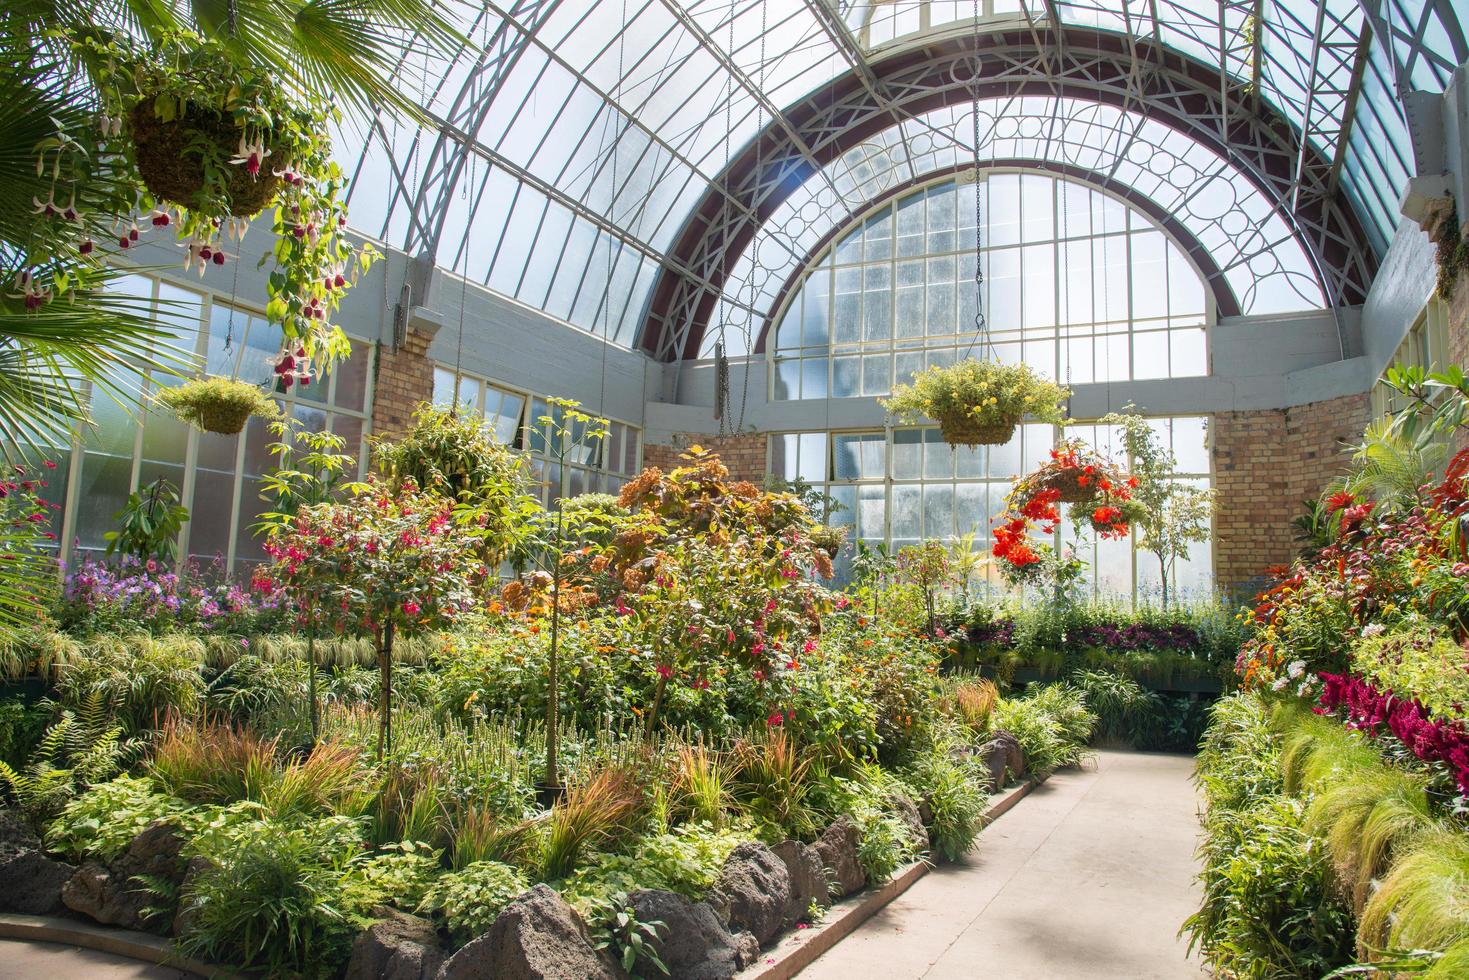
(1168, 513)
(149, 523)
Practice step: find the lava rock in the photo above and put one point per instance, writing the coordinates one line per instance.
(837, 849)
(808, 879)
(1014, 757)
(907, 811)
(398, 946)
(117, 894)
(537, 937)
(183, 919)
(692, 942)
(752, 891)
(30, 882)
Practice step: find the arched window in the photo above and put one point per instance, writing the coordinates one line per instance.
(1078, 284)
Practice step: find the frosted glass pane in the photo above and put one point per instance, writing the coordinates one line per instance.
(907, 454)
(845, 376)
(938, 511)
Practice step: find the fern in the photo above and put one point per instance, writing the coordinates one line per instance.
(80, 749)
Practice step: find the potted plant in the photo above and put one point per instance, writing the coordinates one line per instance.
(977, 403)
(217, 404)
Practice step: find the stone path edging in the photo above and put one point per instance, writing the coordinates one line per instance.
(119, 942)
(799, 949)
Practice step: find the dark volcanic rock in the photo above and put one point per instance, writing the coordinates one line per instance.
(537, 937)
(808, 879)
(837, 849)
(398, 946)
(692, 942)
(752, 891)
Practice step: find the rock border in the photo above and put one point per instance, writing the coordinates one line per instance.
(129, 943)
(798, 950)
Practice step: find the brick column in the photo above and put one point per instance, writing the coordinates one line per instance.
(403, 379)
(1265, 464)
(743, 454)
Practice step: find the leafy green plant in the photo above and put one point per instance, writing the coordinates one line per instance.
(102, 822)
(977, 401)
(140, 678)
(469, 900)
(954, 792)
(701, 784)
(272, 894)
(220, 405)
(80, 749)
(773, 782)
(1117, 701)
(149, 523)
(634, 944)
(399, 874)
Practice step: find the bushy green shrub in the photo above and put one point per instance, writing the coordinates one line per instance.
(1270, 908)
(470, 900)
(141, 678)
(272, 894)
(104, 820)
(1117, 701)
(1052, 726)
(869, 795)
(399, 875)
(954, 792)
(686, 860)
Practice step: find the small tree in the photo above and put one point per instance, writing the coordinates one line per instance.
(872, 566)
(387, 560)
(926, 565)
(1167, 513)
(310, 469)
(567, 431)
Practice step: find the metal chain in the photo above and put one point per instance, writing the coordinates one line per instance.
(755, 238)
(981, 325)
(721, 365)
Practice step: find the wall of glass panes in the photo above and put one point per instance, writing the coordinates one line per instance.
(901, 486)
(219, 477)
(1426, 346)
(1077, 284)
(515, 417)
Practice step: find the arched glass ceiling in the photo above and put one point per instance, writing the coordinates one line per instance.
(572, 141)
(1255, 256)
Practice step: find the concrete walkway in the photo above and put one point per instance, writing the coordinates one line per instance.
(1089, 876)
(53, 961)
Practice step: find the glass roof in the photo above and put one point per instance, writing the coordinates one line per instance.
(573, 144)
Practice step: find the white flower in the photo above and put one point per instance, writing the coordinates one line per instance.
(1279, 684)
(1373, 629)
(1295, 669)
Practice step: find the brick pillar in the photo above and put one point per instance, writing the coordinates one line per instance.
(743, 454)
(1265, 464)
(404, 379)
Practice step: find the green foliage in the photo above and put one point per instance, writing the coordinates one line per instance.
(21, 727)
(1420, 659)
(271, 894)
(149, 523)
(981, 392)
(1270, 908)
(454, 453)
(80, 749)
(1052, 725)
(141, 679)
(687, 860)
(1239, 760)
(592, 813)
(633, 944)
(954, 792)
(1117, 701)
(400, 874)
(869, 796)
(103, 821)
(1423, 903)
(772, 783)
(471, 899)
(217, 404)
(310, 469)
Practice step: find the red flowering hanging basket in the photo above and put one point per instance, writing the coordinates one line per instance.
(1077, 473)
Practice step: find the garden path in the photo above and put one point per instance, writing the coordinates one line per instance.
(55, 961)
(1089, 876)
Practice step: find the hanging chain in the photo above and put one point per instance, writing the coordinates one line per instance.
(755, 238)
(614, 108)
(981, 324)
(721, 363)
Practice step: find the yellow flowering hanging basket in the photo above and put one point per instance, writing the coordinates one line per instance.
(219, 405)
(977, 403)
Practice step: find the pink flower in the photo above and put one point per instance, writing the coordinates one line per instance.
(665, 671)
(775, 719)
(411, 608)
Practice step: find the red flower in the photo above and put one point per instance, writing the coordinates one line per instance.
(1339, 501)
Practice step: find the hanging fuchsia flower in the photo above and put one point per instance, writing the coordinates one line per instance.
(411, 608)
(251, 155)
(665, 672)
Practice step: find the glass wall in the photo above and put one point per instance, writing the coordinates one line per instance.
(1077, 285)
(901, 486)
(219, 477)
(515, 417)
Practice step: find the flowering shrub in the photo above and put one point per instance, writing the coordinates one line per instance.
(148, 595)
(383, 561)
(25, 533)
(1378, 713)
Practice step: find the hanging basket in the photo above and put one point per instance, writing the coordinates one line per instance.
(217, 405)
(170, 156)
(963, 430)
(1068, 482)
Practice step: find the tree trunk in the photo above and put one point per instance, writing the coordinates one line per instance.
(1163, 576)
(385, 696)
(311, 686)
(553, 706)
(657, 704)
